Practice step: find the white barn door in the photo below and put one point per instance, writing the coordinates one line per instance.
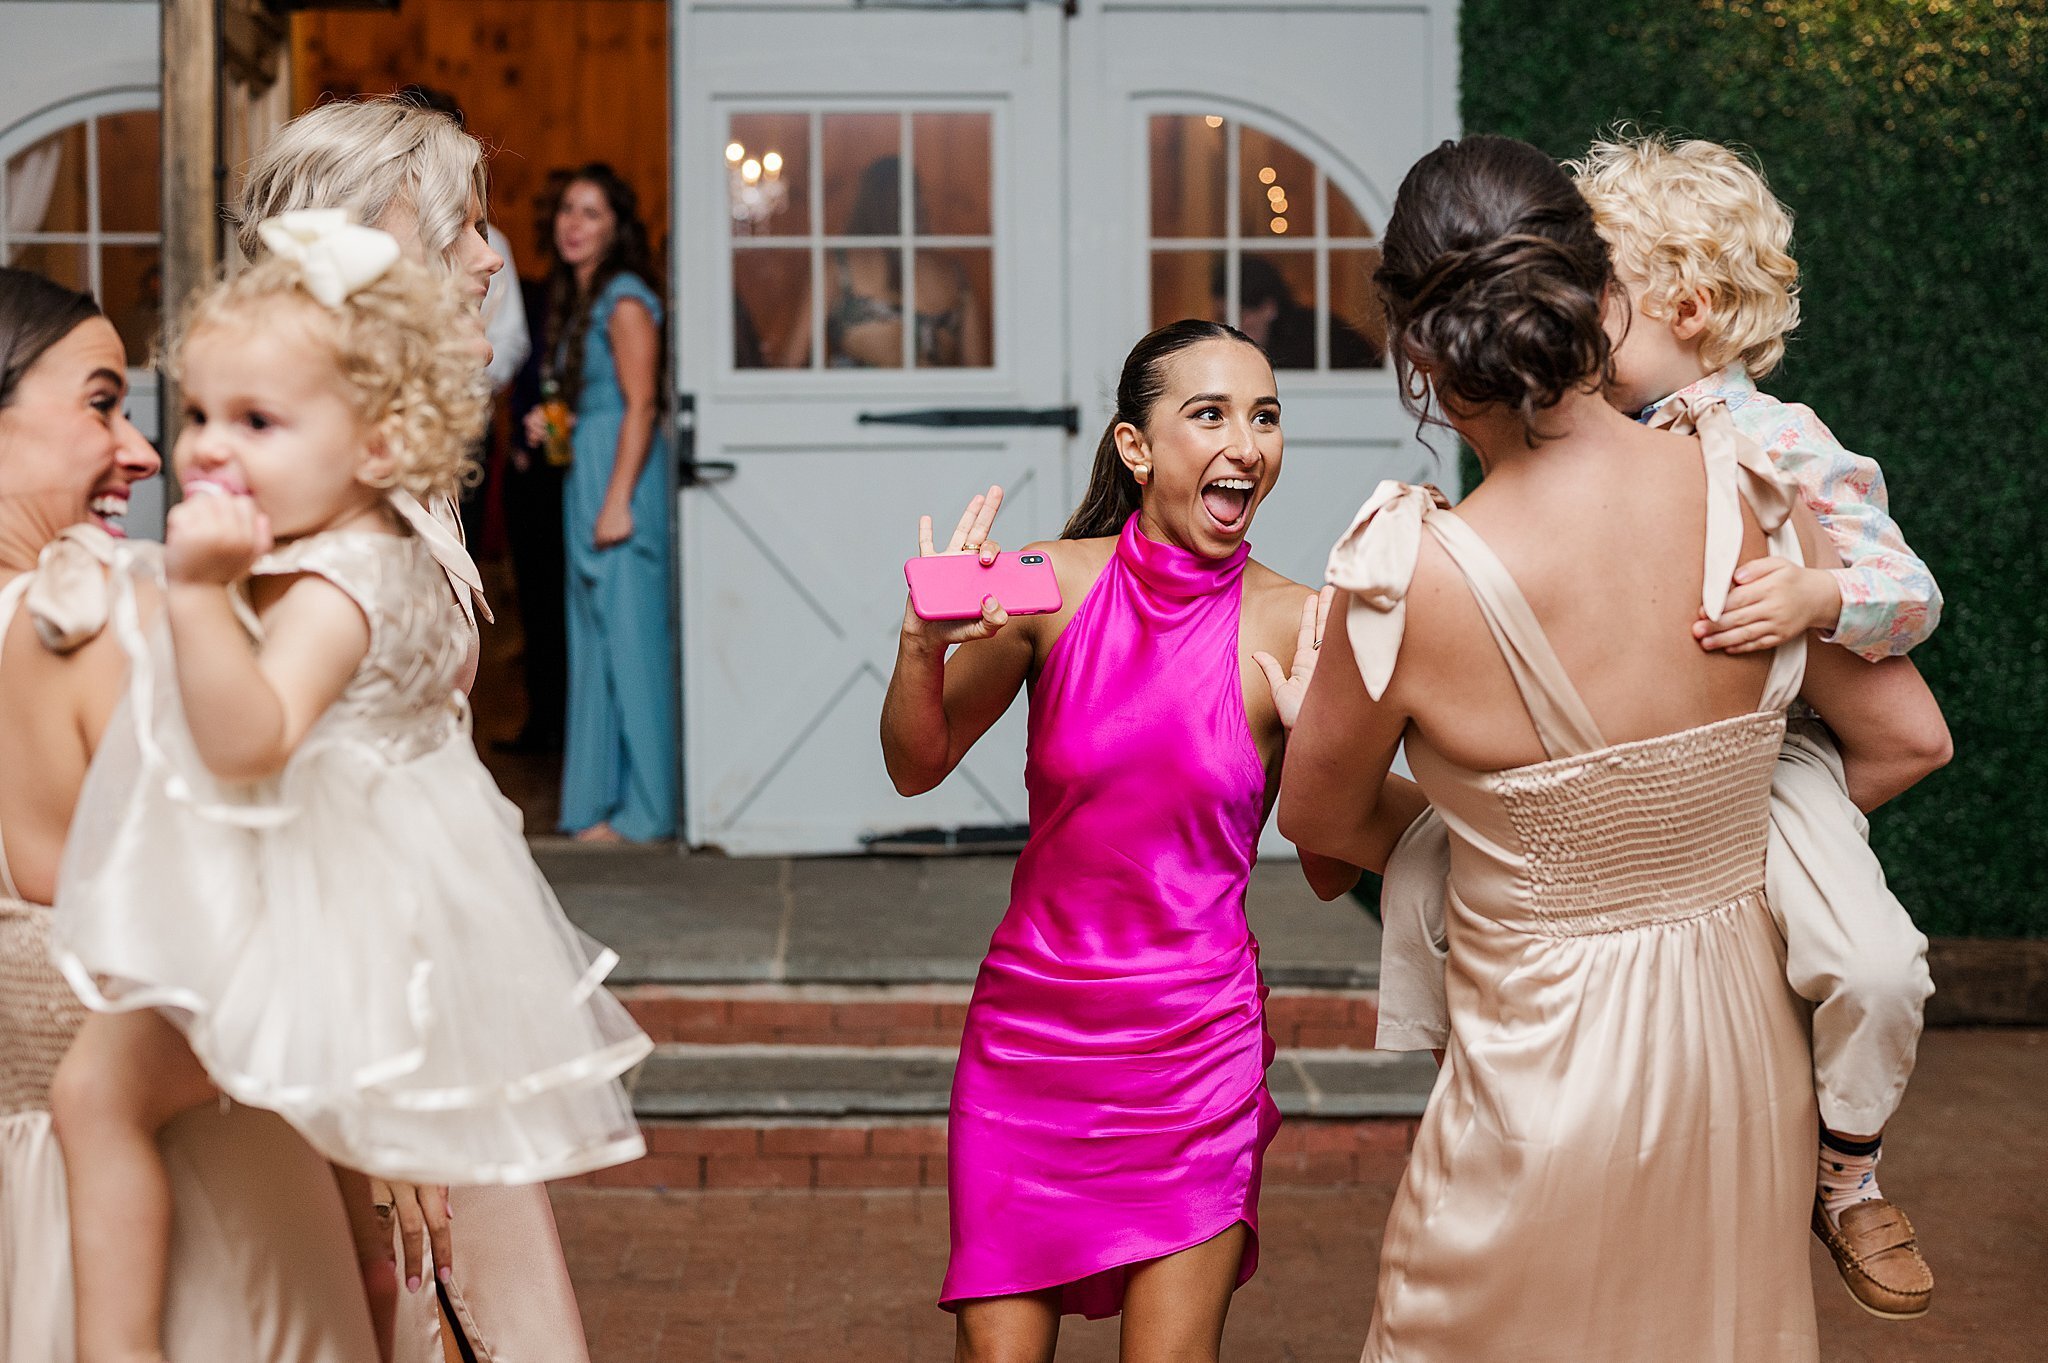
(869, 206)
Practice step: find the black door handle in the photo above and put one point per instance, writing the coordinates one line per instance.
(1069, 418)
(690, 471)
(695, 473)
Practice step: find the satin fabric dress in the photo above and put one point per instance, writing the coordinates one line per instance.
(1616, 1165)
(262, 1268)
(1110, 1104)
(619, 749)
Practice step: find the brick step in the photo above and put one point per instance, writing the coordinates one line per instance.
(911, 1153)
(928, 1015)
(727, 1083)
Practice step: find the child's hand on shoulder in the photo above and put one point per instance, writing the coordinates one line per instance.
(1773, 600)
(214, 538)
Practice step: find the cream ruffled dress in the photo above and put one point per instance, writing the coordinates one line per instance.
(262, 1267)
(362, 944)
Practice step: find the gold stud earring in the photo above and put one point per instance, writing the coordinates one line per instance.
(1142, 472)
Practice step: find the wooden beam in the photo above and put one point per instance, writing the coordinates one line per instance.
(192, 157)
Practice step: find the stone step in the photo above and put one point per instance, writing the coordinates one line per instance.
(812, 1083)
(702, 919)
(683, 1156)
(927, 1015)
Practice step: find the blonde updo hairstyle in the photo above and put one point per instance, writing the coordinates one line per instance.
(367, 156)
(1682, 216)
(402, 355)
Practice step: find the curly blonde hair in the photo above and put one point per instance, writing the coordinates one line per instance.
(367, 156)
(404, 353)
(1686, 215)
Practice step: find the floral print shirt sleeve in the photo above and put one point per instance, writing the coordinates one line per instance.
(1890, 602)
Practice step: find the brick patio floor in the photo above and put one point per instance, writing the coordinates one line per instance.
(830, 1277)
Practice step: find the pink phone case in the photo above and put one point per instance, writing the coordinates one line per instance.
(951, 586)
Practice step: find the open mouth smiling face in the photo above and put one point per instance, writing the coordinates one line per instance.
(1214, 443)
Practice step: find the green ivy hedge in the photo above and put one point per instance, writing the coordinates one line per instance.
(1910, 138)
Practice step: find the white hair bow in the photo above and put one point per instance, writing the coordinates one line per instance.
(336, 256)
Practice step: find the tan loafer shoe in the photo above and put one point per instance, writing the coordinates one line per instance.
(1879, 1257)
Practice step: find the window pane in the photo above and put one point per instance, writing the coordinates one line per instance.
(863, 175)
(1345, 219)
(951, 155)
(65, 264)
(1358, 328)
(130, 163)
(1187, 284)
(1276, 306)
(1276, 188)
(768, 174)
(954, 303)
(1188, 175)
(864, 308)
(132, 291)
(771, 305)
(46, 184)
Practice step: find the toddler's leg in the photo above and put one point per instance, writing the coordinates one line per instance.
(1852, 950)
(1850, 947)
(1414, 1015)
(125, 1076)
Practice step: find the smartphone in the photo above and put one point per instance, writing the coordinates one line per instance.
(951, 586)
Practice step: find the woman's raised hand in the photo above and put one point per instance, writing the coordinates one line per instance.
(970, 536)
(1290, 686)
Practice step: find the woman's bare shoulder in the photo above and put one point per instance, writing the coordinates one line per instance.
(1086, 557)
(1272, 604)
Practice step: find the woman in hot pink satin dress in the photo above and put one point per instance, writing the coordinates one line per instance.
(1110, 1111)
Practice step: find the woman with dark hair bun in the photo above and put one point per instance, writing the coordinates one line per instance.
(604, 365)
(1110, 1114)
(1616, 1164)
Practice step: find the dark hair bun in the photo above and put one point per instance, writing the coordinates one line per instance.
(1494, 280)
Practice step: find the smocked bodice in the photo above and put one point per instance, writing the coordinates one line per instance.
(401, 699)
(1599, 837)
(1654, 831)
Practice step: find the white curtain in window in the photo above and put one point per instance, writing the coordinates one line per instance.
(31, 181)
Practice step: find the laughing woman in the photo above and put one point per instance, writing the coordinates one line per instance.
(1110, 1112)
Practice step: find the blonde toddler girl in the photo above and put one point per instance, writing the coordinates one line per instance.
(262, 853)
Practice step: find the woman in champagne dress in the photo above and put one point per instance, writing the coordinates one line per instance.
(1614, 1167)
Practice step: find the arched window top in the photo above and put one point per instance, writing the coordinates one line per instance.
(1247, 228)
(80, 202)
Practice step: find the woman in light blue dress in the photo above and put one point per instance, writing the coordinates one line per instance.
(619, 752)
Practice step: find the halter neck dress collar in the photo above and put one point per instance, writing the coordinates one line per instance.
(1170, 571)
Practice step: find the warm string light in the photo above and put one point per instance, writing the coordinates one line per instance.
(754, 185)
(1276, 199)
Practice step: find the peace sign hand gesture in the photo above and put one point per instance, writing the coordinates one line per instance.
(970, 536)
(1289, 687)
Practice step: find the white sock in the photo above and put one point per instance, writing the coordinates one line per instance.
(1846, 1179)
